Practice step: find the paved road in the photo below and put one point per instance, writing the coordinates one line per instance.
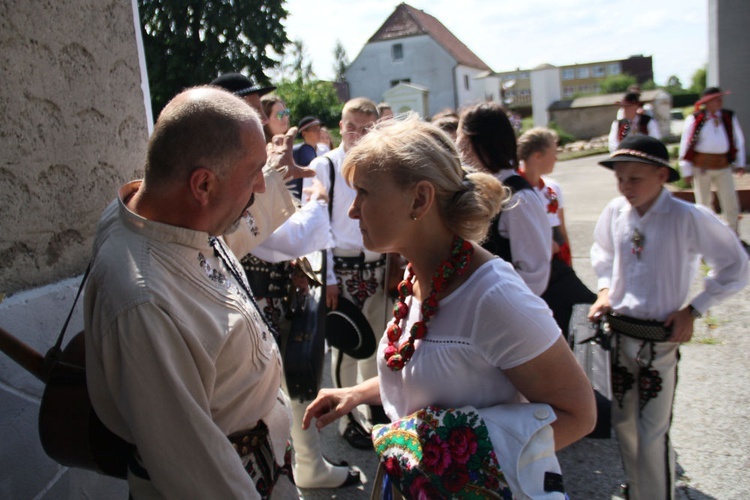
(711, 429)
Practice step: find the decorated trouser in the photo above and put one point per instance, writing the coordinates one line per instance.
(725, 191)
(363, 285)
(644, 377)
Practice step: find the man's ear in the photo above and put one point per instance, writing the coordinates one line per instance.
(424, 197)
(203, 185)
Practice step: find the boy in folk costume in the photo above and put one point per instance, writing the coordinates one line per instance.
(712, 143)
(630, 122)
(354, 273)
(647, 246)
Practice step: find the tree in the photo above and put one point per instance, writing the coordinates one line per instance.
(698, 81)
(298, 68)
(191, 42)
(311, 98)
(616, 83)
(673, 82)
(341, 61)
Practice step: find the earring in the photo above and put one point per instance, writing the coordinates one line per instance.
(413, 217)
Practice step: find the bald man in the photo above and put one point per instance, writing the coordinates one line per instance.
(179, 360)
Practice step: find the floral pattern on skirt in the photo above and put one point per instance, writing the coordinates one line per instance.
(440, 453)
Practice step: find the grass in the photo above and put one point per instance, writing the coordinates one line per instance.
(712, 323)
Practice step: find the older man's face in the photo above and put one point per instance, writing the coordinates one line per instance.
(239, 187)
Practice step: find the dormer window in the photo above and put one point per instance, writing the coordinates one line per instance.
(397, 51)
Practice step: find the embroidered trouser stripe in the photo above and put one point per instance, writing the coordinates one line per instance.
(643, 432)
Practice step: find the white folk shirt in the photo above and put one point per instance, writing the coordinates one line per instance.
(524, 222)
(652, 127)
(345, 233)
(177, 355)
(305, 232)
(676, 235)
(712, 140)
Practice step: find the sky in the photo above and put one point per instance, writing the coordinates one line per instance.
(511, 34)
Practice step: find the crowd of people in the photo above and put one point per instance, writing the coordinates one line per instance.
(445, 252)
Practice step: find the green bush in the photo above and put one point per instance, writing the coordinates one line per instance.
(564, 136)
(314, 98)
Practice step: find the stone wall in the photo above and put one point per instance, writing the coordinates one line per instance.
(73, 127)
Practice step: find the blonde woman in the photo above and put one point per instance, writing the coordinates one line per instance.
(484, 339)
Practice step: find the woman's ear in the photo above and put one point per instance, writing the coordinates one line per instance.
(424, 197)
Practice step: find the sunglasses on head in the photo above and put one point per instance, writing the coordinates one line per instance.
(282, 113)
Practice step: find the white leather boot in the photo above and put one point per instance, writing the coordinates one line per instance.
(311, 470)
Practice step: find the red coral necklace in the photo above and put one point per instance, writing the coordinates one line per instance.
(396, 356)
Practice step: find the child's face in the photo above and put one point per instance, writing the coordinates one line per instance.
(640, 183)
(547, 159)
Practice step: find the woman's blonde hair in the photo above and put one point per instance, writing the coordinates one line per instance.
(412, 151)
(534, 140)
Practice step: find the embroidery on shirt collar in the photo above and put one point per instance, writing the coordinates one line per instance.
(638, 240)
(219, 277)
(250, 221)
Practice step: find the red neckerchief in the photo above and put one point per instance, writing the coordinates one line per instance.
(549, 193)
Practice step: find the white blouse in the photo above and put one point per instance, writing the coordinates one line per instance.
(490, 323)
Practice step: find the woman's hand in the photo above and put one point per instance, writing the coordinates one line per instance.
(332, 404)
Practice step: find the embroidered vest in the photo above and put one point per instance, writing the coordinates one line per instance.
(624, 127)
(496, 244)
(701, 117)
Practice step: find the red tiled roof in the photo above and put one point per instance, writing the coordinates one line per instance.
(408, 21)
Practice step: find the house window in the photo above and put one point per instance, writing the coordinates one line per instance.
(599, 71)
(526, 92)
(583, 72)
(613, 69)
(524, 75)
(466, 82)
(568, 91)
(568, 74)
(401, 80)
(397, 51)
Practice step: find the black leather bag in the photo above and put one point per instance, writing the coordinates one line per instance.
(304, 348)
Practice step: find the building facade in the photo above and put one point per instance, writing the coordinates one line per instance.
(412, 47)
(575, 79)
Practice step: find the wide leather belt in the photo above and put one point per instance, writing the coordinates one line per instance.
(356, 263)
(642, 329)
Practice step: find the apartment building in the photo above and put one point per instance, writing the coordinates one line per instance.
(575, 79)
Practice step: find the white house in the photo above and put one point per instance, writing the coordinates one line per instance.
(413, 47)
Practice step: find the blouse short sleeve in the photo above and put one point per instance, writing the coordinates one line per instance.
(513, 325)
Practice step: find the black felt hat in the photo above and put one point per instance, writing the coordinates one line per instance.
(241, 85)
(307, 122)
(642, 149)
(631, 98)
(347, 329)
